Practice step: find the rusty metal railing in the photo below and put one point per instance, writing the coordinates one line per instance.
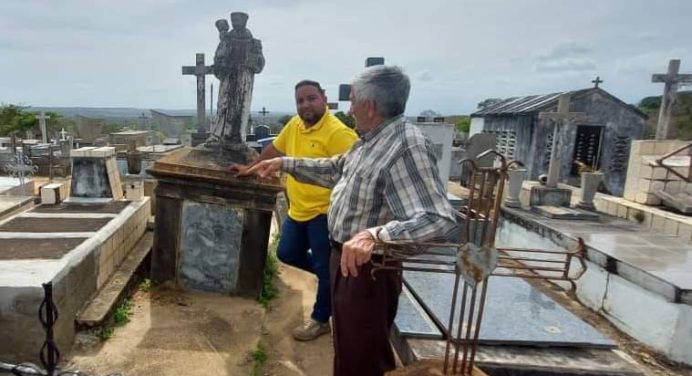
(474, 259)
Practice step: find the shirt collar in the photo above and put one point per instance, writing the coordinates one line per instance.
(317, 125)
(378, 129)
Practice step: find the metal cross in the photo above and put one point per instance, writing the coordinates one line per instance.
(19, 167)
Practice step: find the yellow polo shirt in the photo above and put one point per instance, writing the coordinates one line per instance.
(327, 138)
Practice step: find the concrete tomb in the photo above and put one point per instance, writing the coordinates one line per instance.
(77, 245)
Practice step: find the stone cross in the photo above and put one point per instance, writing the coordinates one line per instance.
(199, 70)
(597, 81)
(63, 134)
(42, 124)
(664, 128)
(562, 119)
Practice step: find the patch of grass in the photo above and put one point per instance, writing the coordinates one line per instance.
(122, 313)
(105, 333)
(145, 285)
(639, 216)
(259, 359)
(271, 270)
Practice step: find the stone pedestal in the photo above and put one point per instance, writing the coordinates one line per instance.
(212, 229)
(542, 196)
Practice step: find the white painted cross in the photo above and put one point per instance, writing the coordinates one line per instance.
(664, 128)
(42, 124)
(562, 119)
(63, 134)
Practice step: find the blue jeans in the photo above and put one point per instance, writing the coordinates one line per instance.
(305, 245)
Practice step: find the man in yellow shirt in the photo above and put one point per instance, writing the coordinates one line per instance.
(304, 243)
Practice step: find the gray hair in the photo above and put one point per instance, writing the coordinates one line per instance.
(387, 86)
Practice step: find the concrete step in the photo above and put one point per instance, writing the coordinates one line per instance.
(99, 308)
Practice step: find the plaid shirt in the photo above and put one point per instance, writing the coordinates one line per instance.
(387, 183)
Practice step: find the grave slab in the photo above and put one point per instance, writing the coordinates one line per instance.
(412, 320)
(113, 207)
(41, 225)
(49, 248)
(559, 212)
(515, 314)
(524, 361)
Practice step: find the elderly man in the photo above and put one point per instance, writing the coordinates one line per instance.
(385, 188)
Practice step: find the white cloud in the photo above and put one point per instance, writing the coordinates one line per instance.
(458, 52)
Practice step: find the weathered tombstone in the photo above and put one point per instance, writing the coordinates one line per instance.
(95, 175)
(551, 195)
(477, 144)
(441, 136)
(42, 124)
(672, 79)
(262, 131)
(212, 228)
(550, 200)
(199, 70)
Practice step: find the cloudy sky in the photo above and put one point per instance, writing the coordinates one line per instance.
(129, 53)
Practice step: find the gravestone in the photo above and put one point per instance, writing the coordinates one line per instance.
(42, 124)
(262, 131)
(441, 135)
(95, 176)
(672, 79)
(550, 194)
(477, 144)
(199, 70)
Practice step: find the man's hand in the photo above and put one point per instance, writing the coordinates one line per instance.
(263, 169)
(356, 252)
(239, 169)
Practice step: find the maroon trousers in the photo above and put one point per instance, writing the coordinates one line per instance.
(363, 311)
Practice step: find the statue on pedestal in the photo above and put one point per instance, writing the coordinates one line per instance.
(237, 59)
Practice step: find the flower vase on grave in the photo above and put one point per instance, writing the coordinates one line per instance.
(515, 178)
(589, 185)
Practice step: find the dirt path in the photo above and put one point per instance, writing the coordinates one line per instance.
(172, 333)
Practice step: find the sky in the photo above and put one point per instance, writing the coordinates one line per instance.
(129, 53)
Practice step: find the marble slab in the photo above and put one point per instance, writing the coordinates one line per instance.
(412, 319)
(210, 247)
(515, 313)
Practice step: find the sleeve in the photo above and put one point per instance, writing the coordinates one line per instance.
(414, 193)
(341, 140)
(281, 140)
(324, 172)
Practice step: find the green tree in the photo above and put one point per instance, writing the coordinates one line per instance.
(15, 120)
(464, 124)
(346, 119)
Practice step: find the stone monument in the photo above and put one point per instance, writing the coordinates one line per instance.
(237, 59)
(212, 229)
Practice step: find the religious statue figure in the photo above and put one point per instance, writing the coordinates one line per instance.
(237, 59)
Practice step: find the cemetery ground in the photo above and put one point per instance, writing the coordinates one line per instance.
(170, 332)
